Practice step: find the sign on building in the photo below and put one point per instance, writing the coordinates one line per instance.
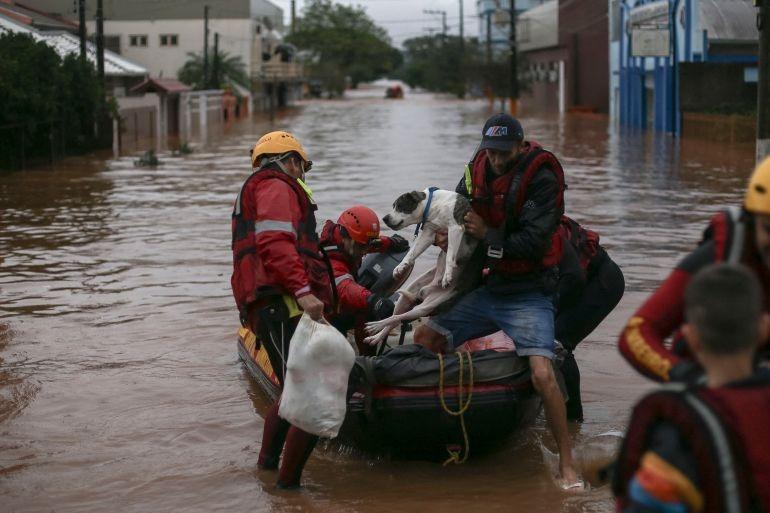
(649, 24)
(650, 42)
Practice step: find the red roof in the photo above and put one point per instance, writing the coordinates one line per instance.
(161, 85)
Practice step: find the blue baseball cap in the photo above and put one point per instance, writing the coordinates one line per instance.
(501, 132)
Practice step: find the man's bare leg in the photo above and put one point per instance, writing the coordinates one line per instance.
(544, 382)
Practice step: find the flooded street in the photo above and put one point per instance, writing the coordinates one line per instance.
(120, 386)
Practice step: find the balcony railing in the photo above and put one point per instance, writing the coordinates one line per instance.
(280, 71)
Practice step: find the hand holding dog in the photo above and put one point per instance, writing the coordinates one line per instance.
(475, 225)
(441, 240)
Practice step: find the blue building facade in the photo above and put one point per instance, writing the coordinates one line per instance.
(650, 39)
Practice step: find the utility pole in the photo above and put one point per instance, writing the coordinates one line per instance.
(462, 31)
(293, 16)
(489, 37)
(443, 25)
(100, 41)
(82, 28)
(514, 92)
(763, 81)
(215, 66)
(205, 46)
(443, 20)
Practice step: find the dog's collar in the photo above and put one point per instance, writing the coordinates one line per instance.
(417, 228)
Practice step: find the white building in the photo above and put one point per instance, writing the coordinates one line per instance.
(160, 34)
(119, 73)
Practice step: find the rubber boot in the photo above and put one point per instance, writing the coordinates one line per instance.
(273, 438)
(572, 380)
(299, 445)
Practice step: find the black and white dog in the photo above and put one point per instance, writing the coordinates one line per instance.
(432, 210)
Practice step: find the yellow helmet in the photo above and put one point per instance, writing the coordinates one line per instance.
(757, 199)
(276, 143)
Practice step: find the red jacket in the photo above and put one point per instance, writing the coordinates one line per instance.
(642, 342)
(351, 297)
(699, 445)
(275, 247)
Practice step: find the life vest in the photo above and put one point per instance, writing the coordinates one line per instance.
(250, 281)
(585, 241)
(726, 430)
(500, 204)
(728, 231)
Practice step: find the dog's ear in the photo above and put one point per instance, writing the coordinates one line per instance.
(418, 196)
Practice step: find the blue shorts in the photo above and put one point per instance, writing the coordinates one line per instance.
(526, 317)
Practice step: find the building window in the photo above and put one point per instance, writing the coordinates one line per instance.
(112, 43)
(169, 40)
(137, 40)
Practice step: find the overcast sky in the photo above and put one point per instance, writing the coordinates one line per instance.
(404, 18)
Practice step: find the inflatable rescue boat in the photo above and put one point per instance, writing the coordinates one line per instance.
(410, 402)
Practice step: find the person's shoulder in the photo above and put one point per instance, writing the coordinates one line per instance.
(274, 183)
(544, 175)
(700, 257)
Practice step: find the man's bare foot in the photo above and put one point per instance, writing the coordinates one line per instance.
(569, 476)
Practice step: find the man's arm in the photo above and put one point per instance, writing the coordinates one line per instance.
(394, 244)
(537, 221)
(277, 214)
(642, 342)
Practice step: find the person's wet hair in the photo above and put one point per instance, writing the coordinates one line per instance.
(724, 302)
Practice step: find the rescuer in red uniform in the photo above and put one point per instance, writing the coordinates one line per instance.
(278, 270)
(356, 233)
(703, 447)
(740, 235)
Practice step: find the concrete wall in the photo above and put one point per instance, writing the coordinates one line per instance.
(716, 87)
(538, 27)
(236, 37)
(542, 93)
(139, 122)
(584, 32)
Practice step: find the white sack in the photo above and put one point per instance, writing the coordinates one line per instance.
(315, 388)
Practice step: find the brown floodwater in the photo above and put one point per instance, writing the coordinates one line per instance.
(120, 386)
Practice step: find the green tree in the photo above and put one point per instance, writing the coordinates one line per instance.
(343, 42)
(222, 64)
(46, 101)
(436, 63)
(441, 64)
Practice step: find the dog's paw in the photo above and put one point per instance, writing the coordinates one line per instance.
(373, 340)
(400, 270)
(446, 281)
(373, 327)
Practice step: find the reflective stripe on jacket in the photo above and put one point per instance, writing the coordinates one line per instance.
(274, 243)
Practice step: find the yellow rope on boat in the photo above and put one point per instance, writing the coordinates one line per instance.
(454, 456)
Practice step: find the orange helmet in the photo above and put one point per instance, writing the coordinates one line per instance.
(361, 224)
(276, 143)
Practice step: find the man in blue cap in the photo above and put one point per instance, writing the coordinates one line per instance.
(516, 189)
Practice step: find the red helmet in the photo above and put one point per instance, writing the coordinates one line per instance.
(361, 224)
